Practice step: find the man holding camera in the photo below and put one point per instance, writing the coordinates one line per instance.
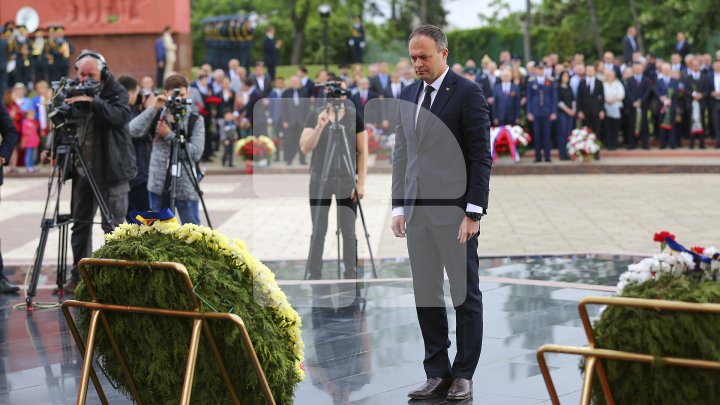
(164, 127)
(106, 147)
(315, 137)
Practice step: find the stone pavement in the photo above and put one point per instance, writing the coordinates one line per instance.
(529, 215)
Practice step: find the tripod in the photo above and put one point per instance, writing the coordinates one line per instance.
(179, 163)
(339, 158)
(65, 154)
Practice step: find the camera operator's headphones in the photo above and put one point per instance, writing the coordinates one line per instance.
(104, 71)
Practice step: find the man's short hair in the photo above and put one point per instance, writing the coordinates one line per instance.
(175, 82)
(128, 81)
(436, 33)
(249, 82)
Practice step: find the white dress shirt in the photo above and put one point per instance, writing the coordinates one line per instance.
(436, 85)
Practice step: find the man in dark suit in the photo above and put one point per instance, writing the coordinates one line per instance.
(271, 55)
(712, 93)
(487, 81)
(248, 111)
(10, 138)
(694, 96)
(440, 183)
(666, 89)
(380, 82)
(4, 57)
(637, 94)
(682, 47)
(609, 64)
(261, 79)
(296, 106)
(395, 88)
(591, 101)
(506, 109)
(629, 45)
(305, 80)
(363, 94)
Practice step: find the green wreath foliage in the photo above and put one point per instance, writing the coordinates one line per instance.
(667, 334)
(156, 347)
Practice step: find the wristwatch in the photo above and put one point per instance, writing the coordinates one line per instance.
(475, 216)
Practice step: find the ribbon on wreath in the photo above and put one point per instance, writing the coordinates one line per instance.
(150, 217)
(502, 138)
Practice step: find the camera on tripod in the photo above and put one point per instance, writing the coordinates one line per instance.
(64, 116)
(334, 89)
(176, 104)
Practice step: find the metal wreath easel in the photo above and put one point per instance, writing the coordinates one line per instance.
(199, 317)
(593, 355)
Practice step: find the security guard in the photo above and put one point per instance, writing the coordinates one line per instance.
(541, 110)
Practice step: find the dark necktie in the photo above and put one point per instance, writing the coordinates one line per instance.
(426, 105)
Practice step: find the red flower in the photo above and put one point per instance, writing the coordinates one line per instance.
(698, 249)
(661, 236)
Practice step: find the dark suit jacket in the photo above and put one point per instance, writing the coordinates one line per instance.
(388, 92)
(4, 53)
(635, 92)
(712, 102)
(10, 137)
(506, 107)
(692, 85)
(267, 85)
(683, 50)
(661, 90)
(628, 49)
(591, 104)
(249, 108)
(448, 164)
(292, 114)
(376, 84)
(270, 52)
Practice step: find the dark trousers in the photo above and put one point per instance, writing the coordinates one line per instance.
(565, 124)
(432, 247)
(594, 123)
(40, 69)
(715, 120)
(83, 207)
(668, 136)
(643, 135)
(271, 71)
(319, 210)
(541, 136)
(3, 79)
(227, 158)
(160, 73)
(291, 144)
(138, 199)
(611, 132)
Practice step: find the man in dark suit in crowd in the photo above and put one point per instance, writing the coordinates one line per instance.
(271, 54)
(380, 82)
(440, 186)
(630, 45)
(261, 79)
(10, 138)
(637, 94)
(363, 94)
(609, 64)
(591, 101)
(305, 80)
(694, 84)
(506, 109)
(666, 90)
(712, 89)
(4, 57)
(296, 106)
(487, 81)
(248, 111)
(395, 88)
(682, 46)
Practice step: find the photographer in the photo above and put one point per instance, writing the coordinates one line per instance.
(314, 138)
(144, 107)
(163, 127)
(104, 140)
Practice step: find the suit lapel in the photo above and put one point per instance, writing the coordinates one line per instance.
(446, 88)
(408, 109)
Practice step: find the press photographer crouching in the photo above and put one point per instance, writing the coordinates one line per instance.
(100, 122)
(164, 126)
(329, 174)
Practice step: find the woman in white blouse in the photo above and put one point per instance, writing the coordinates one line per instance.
(614, 95)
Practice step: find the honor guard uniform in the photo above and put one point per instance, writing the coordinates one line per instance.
(60, 52)
(39, 59)
(542, 107)
(4, 57)
(21, 53)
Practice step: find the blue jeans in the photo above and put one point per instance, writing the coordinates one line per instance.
(187, 210)
(565, 124)
(29, 158)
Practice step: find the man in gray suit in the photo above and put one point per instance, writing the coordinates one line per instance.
(440, 186)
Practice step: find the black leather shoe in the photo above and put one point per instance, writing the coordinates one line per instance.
(433, 387)
(6, 288)
(460, 389)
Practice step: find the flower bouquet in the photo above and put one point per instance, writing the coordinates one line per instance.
(666, 111)
(255, 148)
(508, 140)
(582, 143)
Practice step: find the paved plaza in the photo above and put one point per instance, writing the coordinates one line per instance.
(370, 352)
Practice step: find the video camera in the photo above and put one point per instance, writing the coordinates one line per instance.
(64, 116)
(334, 89)
(177, 104)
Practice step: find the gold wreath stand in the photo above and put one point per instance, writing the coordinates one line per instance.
(199, 323)
(593, 355)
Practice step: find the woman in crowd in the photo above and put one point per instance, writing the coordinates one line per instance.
(614, 95)
(566, 114)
